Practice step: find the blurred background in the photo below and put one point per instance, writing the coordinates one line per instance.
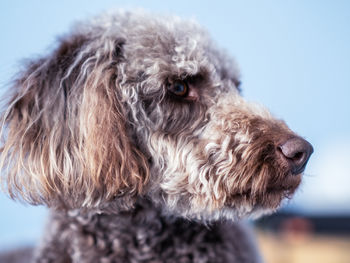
(294, 58)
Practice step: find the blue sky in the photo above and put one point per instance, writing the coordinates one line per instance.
(294, 58)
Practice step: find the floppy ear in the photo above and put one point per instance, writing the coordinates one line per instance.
(65, 140)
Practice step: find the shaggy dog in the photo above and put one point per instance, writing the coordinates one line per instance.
(134, 133)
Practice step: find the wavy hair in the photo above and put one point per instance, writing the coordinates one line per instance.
(64, 131)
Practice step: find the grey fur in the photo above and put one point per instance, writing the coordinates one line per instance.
(142, 235)
(132, 170)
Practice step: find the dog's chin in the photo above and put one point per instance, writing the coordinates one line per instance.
(249, 204)
(268, 198)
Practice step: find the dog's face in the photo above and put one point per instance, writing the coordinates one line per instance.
(130, 105)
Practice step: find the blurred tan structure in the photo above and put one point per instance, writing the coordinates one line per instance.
(303, 247)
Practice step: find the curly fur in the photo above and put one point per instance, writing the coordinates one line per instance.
(93, 132)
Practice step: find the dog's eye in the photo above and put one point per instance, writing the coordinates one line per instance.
(179, 88)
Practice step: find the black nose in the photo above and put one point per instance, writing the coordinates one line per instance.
(296, 151)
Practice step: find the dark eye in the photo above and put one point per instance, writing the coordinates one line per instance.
(179, 88)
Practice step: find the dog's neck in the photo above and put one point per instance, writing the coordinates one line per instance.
(141, 234)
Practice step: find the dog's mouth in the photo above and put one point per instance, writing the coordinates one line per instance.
(268, 191)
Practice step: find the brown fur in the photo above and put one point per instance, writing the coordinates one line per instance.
(97, 131)
(54, 128)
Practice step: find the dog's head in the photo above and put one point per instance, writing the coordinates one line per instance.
(130, 105)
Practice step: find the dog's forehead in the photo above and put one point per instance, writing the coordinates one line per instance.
(171, 44)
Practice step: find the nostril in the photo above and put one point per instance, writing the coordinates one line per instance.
(296, 151)
(298, 157)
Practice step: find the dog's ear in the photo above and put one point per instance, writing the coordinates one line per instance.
(64, 132)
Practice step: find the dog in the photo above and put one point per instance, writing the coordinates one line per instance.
(134, 133)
